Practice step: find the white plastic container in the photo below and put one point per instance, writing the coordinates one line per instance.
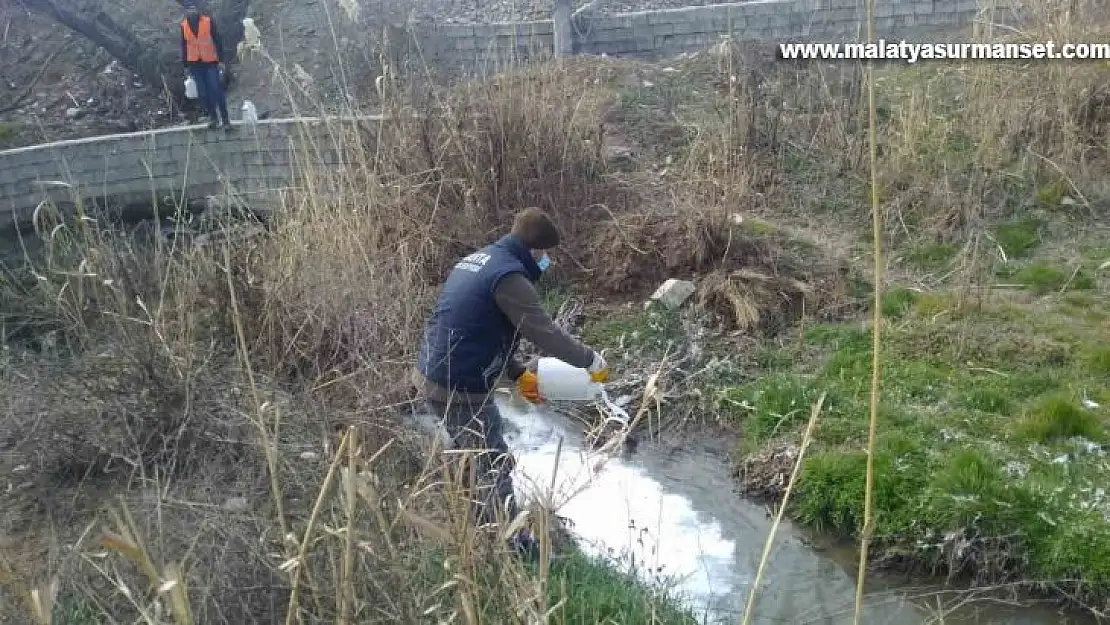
(191, 88)
(559, 381)
(250, 113)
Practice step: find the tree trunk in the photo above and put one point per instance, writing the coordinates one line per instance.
(143, 34)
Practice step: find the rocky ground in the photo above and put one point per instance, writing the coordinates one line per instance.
(57, 85)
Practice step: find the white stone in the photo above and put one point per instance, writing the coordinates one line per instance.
(236, 504)
(673, 293)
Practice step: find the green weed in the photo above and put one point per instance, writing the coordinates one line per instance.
(1050, 195)
(1020, 237)
(1098, 359)
(8, 131)
(1058, 417)
(77, 611)
(596, 592)
(992, 400)
(772, 406)
(652, 331)
(1042, 278)
(898, 301)
(929, 304)
(929, 256)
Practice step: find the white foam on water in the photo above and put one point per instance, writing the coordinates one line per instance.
(619, 511)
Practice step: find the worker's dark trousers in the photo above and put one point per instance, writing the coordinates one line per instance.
(476, 428)
(210, 90)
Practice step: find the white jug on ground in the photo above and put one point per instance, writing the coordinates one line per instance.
(191, 88)
(559, 381)
(250, 114)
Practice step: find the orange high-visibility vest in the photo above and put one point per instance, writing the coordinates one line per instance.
(199, 46)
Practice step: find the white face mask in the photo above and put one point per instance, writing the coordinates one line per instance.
(544, 262)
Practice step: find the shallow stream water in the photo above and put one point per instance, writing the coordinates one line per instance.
(676, 512)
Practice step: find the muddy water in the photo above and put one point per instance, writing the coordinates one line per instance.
(675, 513)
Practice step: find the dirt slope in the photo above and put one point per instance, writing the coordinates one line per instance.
(55, 84)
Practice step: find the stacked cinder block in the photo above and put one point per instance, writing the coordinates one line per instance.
(480, 45)
(257, 161)
(653, 34)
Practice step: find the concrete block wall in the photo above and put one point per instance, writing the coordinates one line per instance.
(480, 46)
(255, 162)
(654, 34)
(663, 33)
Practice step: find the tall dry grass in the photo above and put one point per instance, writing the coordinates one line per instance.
(214, 427)
(207, 427)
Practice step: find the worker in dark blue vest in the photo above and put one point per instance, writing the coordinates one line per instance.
(469, 348)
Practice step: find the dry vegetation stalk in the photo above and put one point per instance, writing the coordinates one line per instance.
(298, 564)
(346, 583)
(806, 438)
(259, 416)
(876, 326)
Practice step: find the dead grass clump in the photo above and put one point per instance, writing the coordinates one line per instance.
(751, 276)
(479, 153)
(632, 254)
(763, 476)
(748, 300)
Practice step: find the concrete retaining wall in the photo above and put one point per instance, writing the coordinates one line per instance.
(260, 159)
(256, 162)
(653, 34)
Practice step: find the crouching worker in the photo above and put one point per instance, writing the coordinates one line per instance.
(469, 348)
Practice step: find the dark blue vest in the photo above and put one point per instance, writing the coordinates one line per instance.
(467, 339)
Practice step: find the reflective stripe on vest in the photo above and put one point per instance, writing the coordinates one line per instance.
(199, 47)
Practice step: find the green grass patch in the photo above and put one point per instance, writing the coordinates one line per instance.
(759, 227)
(1042, 277)
(775, 357)
(77, 611)
(898, 301)
(774, 405)
(992, 400)
(1020, 237)
(1058, 416)
(553, 294)
(1098, 359)
(8, 132)
(591, 590)
(968, 403)
(1050, 195)
(597, 592)
(929, 256)
(831, 488)
(652, 331)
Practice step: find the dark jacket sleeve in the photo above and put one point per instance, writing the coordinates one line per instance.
(184, 50)
(216, 39)
(518, 299)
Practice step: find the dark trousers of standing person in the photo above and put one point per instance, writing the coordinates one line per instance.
(211, 91)
(476, 428)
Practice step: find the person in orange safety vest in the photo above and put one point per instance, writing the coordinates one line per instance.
(201, 51)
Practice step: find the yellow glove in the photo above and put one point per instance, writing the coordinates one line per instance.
(599, 370)
(526, 383)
